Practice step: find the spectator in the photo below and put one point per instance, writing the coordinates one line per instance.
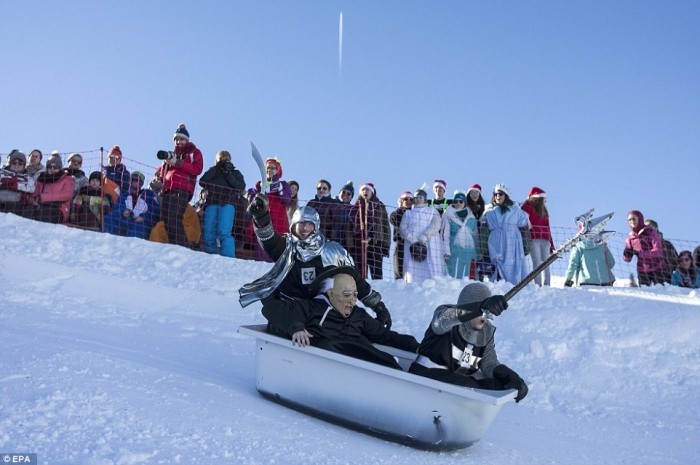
(74, 169)
(16, 186)
(459, 236)
(293, 199)
(541, 245)
(332, 321)
(342, 232)
(475, 201)
(590, 264)
(179, 174)
(420, 228)
(52, 196)
(504, 220)
(35, 164)
(135, 212)
(116, 171)
(279, 195)
(371, 232)
(325, 205)
(224, 185)
(91, 204)
(696, 257)
(405, 203)
(686, 273)
(670, 255)
(439, 202)
(476, 204)
(646, 244)
(459, 344)
(300, 256)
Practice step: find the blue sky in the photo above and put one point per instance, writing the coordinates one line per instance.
(596, 102)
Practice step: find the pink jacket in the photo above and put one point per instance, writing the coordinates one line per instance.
(648, 248)
(59, 191)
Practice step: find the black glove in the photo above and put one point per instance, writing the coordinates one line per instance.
(495, 304)
(468, 312)
(225, 166)
(383, 315)
(628, 253)
(259, 209)
(568, 283)
(510, 380)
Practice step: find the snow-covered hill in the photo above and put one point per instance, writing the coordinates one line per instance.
(123, 351)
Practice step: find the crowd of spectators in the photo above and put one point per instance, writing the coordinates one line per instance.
(462, 236)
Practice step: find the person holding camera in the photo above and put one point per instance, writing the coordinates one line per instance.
(224, 185)
(179, 173)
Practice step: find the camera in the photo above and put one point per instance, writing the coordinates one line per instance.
(166, 155)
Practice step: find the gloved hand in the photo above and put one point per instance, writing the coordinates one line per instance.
(259, 209)
(225, 166)
(568, 283)
(494, 304)
(628, 253)
(510, 380)
(383, 315)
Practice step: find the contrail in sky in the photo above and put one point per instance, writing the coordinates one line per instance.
(340, 45)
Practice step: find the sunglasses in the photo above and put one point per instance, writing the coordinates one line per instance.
(499, 194)
(458, 201)
(321, 188)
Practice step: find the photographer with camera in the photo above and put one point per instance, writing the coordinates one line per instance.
(224, 185)
(179, 173)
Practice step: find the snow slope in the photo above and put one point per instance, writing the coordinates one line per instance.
(122, 351)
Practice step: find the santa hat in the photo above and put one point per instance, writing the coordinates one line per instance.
(370, 186)
(181, 131)
(116, 151)
(275, 161)
(405, 195)
(474, 187)
(536, 193)
(440, 183)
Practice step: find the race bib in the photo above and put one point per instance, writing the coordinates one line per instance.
(308, 275)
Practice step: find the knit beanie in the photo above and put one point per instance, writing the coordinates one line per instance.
(95, 175)
(348, 187)
(117, 152)
(140, 176)
(54, 161)
(181, 131)
(460, 196)
(502, 188)
(16, 155)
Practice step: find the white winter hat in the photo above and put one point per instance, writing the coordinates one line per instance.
(502, 188)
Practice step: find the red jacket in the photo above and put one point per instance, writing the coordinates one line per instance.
(183, 174)
(540, 224)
